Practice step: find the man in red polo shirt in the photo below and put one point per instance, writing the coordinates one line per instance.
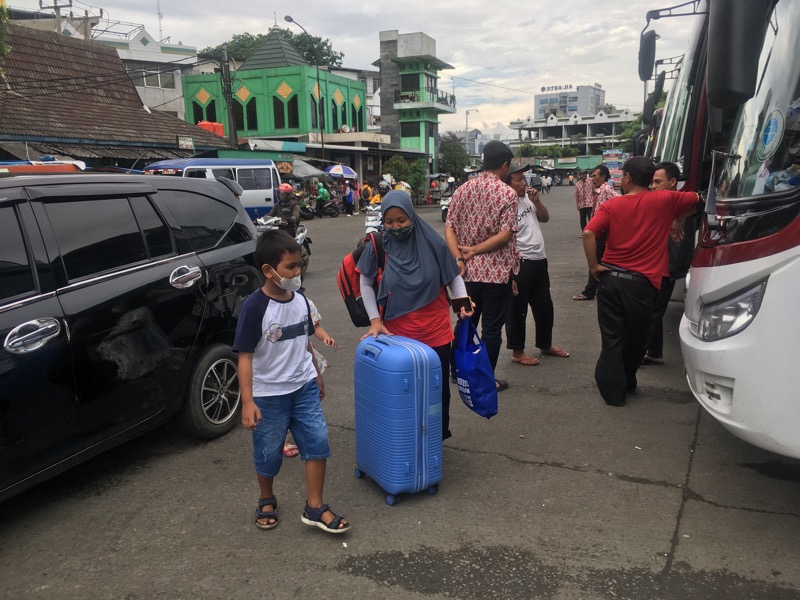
(637, 225)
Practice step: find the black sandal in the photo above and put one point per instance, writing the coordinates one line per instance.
(272, 514)
(313, 517)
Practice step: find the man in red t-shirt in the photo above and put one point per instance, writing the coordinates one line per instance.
(637, 225)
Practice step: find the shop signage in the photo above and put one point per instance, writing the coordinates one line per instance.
(557, 88)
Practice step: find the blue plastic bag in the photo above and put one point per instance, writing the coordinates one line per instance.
(476, 384)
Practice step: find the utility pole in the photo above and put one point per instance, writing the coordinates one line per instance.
(227, 92)
(57, 10)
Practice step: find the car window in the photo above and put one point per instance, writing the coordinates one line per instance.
(156, 233)
(16, 275)
(254, 179)
(95, 236)
(203, 219)
(196, 173)
(226, 173)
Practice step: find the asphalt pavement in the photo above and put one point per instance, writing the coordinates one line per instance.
(557, 497)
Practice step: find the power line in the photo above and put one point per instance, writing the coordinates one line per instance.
(502, 87)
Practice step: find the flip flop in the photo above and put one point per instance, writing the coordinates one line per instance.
(290, 450)
(554, 351)
(502, 385)
(528, 361)
(581, 297)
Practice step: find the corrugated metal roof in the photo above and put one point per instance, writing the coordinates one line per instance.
(273, 53)
(60, 88)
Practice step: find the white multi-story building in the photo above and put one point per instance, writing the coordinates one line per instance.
(587, 133)
(568, 100)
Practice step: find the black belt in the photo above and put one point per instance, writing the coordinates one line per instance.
(628, 275)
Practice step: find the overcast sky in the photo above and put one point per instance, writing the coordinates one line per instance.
(519, 47)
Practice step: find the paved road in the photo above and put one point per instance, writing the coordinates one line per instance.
(558, 497)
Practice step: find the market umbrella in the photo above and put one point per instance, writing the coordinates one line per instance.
(341, 171)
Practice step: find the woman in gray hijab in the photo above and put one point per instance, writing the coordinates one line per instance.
(411, 295)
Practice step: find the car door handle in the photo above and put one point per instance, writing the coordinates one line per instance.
(32, 335)
(184, 277)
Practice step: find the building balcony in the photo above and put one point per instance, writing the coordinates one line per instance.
(428, 98)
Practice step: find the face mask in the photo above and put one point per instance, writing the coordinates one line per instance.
(400, 233)
(290, 285)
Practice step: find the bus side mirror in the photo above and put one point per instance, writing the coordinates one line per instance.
(647, 54)
(736, 31)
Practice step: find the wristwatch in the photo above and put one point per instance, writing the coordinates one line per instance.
(461, 259)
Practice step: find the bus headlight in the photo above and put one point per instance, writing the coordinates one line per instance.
(731, 315)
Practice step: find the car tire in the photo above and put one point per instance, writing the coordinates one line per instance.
(213, 400)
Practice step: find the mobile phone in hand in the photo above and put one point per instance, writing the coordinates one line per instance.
(459, 303)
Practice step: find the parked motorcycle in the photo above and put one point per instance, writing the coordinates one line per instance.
(444, 203)
(300, 235)
(372, 220)
(331, 208)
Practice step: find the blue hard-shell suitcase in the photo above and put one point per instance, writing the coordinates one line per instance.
(398, 414)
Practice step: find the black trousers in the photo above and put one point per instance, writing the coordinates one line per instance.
(533, 285)
(655, 334)
(591, 284)
(492, 301)
(586, 214)
(444, 356)
(624, 309)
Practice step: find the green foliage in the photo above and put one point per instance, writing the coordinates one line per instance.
(4, 48)
(553, 151)
(452, 156)
(313, 49)
(570, 151)
(419, 176)
(527, 150)
(626, 135)
(398, 168)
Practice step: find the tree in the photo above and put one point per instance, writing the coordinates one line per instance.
(313, 49)
(419, 176)
(452, 156)
(626, 135)
(570, 151)
(4, 49)
(527, 150)
(398, 168)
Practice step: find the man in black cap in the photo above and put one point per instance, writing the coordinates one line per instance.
(479, 231)
(531, 287)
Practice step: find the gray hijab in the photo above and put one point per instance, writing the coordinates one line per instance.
(417, 267)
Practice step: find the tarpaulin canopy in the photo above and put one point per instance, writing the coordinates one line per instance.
(303, 170)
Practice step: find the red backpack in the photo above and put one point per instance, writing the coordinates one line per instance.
(348, 279)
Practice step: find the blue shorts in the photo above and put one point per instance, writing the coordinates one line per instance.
(301, 413)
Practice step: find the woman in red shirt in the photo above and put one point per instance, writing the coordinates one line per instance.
(418, 266)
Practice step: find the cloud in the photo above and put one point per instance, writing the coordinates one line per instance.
(519, 46)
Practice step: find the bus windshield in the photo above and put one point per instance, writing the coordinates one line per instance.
(671, 141)
(766, 132)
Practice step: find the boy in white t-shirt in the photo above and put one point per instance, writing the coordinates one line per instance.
(280, 384)
(531, 286)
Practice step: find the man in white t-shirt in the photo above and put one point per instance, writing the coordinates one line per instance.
(531, 287)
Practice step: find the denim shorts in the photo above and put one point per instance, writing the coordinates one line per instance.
(301, 413)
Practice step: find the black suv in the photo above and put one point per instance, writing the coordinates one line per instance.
(118, 303)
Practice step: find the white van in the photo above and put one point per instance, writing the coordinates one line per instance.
(258, 177)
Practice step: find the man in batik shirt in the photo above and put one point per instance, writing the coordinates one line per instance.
(480, 227)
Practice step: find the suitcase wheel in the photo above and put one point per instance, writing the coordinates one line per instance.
(391, 499)
(432, 489)
(359, 474)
